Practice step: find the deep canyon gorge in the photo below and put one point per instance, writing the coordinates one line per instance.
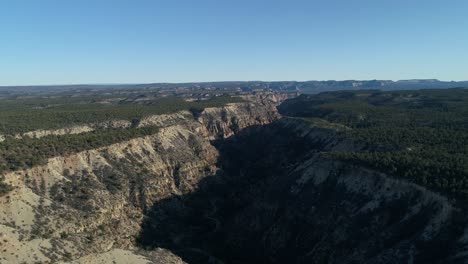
(233, 184)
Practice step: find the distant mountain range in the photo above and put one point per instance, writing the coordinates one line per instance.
(305, 86)
(321, 86)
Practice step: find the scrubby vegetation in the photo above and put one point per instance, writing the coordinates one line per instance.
(421, 135)
(4, 187)
(18, 154)
(21, 115)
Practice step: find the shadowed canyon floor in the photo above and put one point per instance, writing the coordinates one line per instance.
(278, 198)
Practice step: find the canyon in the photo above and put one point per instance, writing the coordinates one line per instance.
(232, 184)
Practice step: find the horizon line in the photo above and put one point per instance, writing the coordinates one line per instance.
(245, 81)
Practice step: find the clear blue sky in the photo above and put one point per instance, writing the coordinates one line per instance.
(136, 41)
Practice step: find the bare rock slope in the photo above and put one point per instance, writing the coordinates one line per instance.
(84, 206)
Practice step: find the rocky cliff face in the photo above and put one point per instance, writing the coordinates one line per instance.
(228, 185)
(279, 198)
(79, 206)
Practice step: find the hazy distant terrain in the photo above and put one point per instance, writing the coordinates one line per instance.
(305, 86)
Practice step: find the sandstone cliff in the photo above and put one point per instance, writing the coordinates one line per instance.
(88, 203)
(281, 198)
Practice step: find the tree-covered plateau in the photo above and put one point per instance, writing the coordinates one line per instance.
(17, 116)
(421, 136)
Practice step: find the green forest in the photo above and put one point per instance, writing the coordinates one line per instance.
(18, 115)
(22, 115)
(419, 135)
(27, 152)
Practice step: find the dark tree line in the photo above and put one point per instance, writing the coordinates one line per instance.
(28, 152)
(23, 115)
(421, 136)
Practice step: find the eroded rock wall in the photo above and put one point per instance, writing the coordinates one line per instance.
(93, 201)
(283, 199)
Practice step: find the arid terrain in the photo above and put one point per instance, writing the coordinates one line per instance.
(229, 181)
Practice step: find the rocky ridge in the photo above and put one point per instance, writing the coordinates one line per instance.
(88, 203)
(281, 198)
